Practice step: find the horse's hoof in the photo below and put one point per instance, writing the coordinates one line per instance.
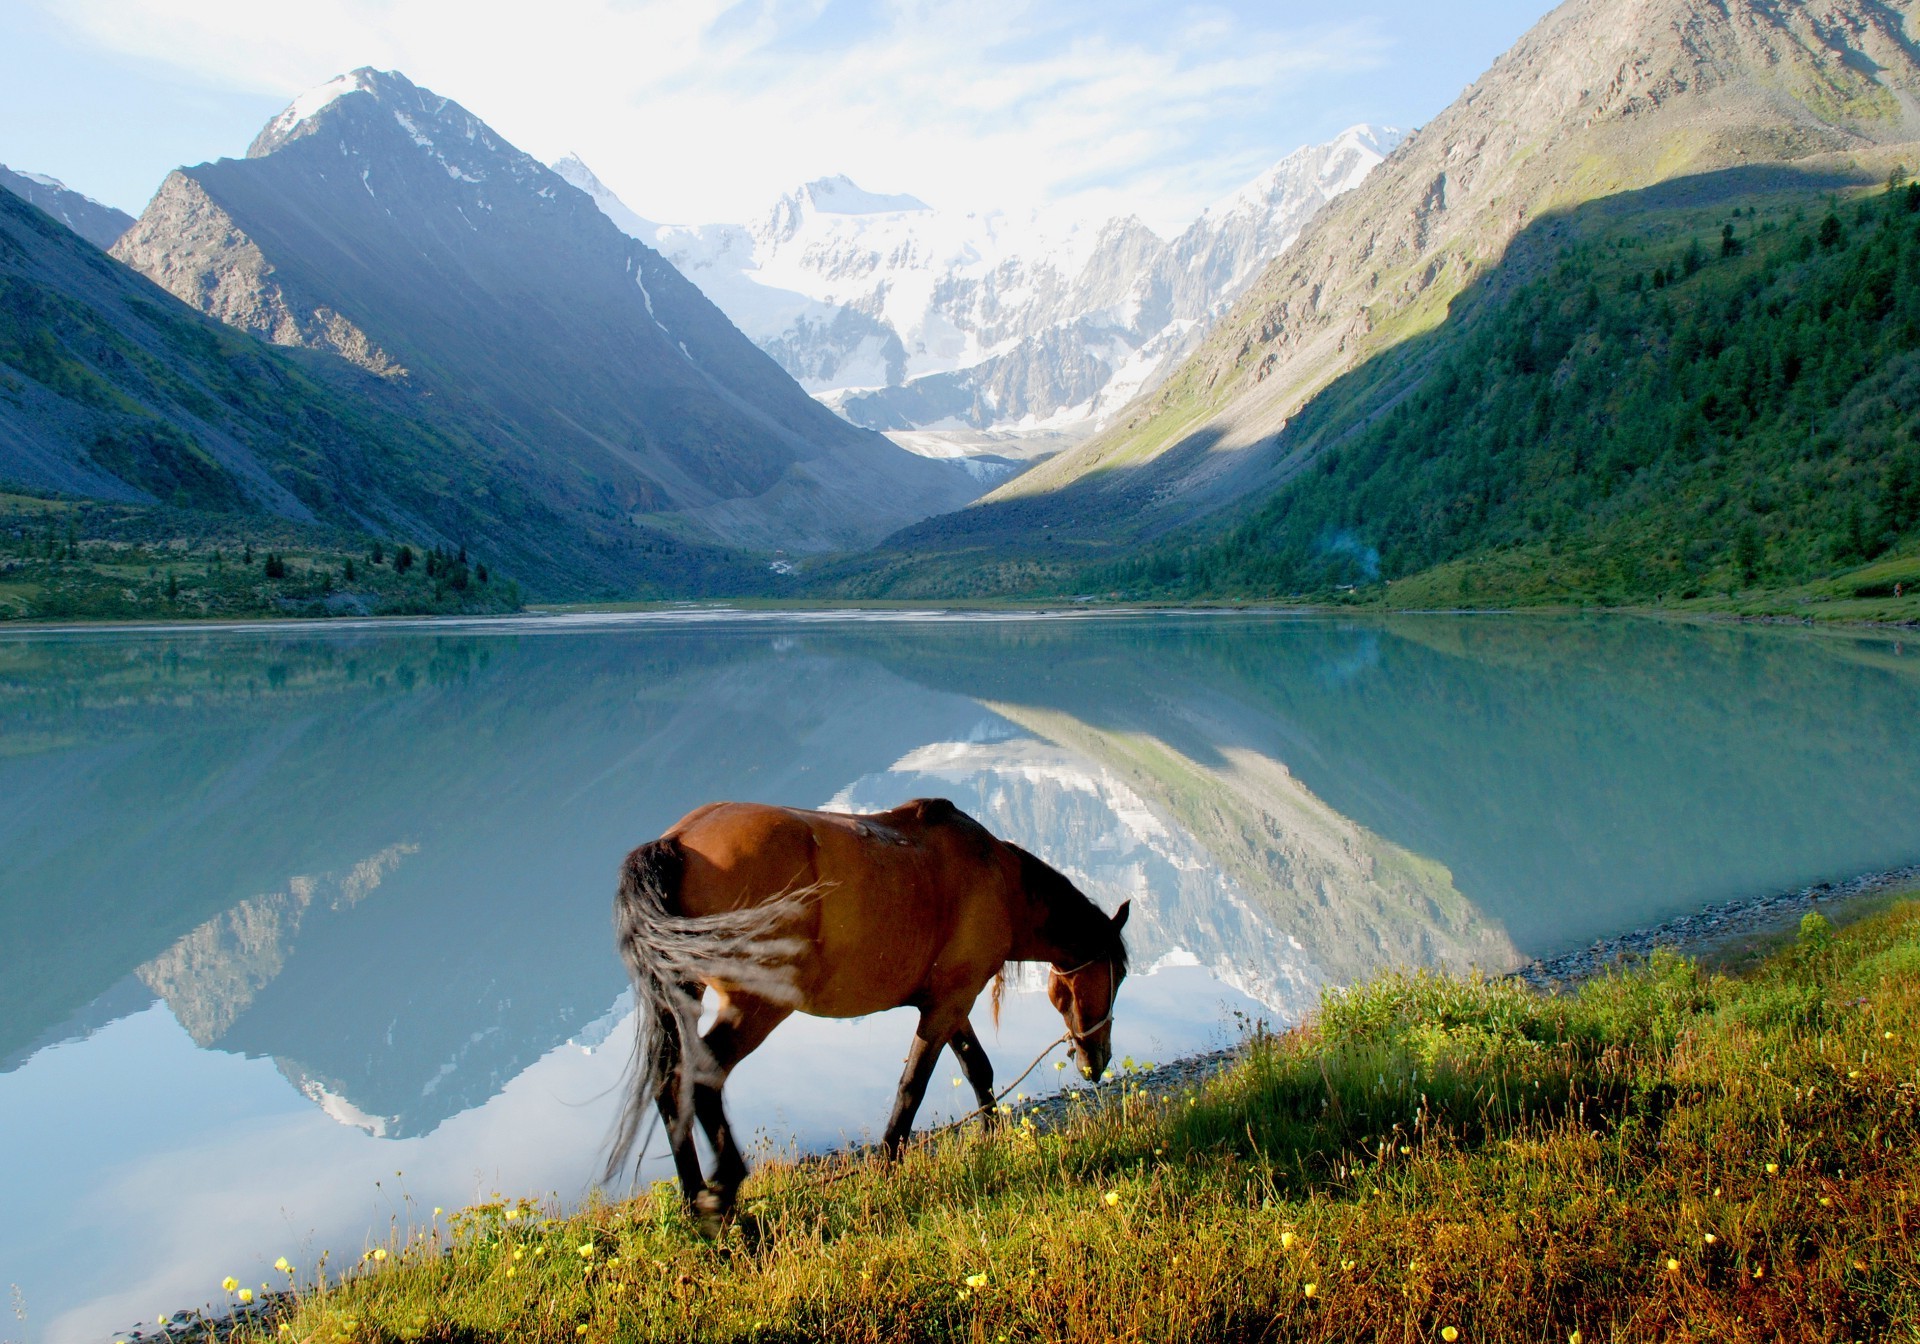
(712, 1210)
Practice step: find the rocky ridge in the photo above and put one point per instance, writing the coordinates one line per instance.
(905, 317)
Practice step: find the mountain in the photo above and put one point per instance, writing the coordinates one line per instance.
(1694, 403)
(99, 224)
(1601, 99)
(388, 226)
(906, 317)
(112, 389)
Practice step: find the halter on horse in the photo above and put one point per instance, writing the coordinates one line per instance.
(778, 910)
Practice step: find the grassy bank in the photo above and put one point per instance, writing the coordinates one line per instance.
(1674, 1153)
(67, 560)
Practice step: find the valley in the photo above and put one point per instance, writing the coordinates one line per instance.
(1385, 371)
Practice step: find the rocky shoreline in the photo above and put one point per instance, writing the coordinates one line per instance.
(1709, 928)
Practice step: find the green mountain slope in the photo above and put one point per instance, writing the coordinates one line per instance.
(1690, 400)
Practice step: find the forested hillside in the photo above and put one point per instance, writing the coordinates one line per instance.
(1685, 402)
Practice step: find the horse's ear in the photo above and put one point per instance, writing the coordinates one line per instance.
(1120, 915)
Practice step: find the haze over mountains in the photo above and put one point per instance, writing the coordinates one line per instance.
(903, 316)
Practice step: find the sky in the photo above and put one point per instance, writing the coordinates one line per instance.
(696, 111)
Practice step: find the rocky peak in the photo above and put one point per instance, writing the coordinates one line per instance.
(383, 222)
(835, 195)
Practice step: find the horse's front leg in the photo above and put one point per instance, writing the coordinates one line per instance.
(979, 1070)
(929, 1039)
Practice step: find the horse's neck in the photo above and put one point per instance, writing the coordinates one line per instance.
(1032, 940)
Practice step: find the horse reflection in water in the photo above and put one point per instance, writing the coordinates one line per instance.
(778, 910)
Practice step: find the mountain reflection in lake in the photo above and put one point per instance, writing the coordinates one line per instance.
(286, 912)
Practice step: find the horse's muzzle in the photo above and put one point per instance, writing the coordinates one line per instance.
(1093, 1058)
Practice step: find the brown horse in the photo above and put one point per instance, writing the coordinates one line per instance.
(777, 909)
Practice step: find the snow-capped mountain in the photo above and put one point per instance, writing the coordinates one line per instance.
(572, 365)
(902, 316)
(99, 224)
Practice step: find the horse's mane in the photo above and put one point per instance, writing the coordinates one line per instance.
(1068, 920)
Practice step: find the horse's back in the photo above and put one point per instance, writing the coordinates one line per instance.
(898, 891)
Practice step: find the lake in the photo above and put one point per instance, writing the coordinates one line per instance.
(305, 930)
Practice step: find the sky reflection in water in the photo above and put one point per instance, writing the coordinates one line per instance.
(287, 912)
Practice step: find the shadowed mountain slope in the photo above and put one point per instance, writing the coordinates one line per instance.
(99, 224)
(111, 388)
(1601, 97)
(389, 226)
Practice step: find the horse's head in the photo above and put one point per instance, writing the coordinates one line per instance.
(1084, 995)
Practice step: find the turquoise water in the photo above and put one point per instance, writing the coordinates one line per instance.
(304, 931)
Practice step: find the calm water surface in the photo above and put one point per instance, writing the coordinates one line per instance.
(305, 931)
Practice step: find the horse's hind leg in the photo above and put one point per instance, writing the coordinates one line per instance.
(686, 1159)
(742, 1023)
(979, 1071)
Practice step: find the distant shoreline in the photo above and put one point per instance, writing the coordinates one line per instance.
(1712, 928)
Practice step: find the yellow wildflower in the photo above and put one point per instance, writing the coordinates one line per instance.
(1346, 1264)
(246, 1296)
(1825, 1202)
(1673, 1266)
(282, 1265)
(1311, 1289)
(1286, 1241)
(586, 1250)
(437, 1210)
(1773, 1168)
(976, 1280)
(380, 1253)
(1574, 1338)
(1449, 1334)
(1112, 1197)
(229, 1283)
(580, 1329)
(1709, 1238)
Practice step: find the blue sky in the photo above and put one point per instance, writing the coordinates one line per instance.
(697, 110)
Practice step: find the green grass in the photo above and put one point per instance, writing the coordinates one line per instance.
(70, 560)
(1672, 1153)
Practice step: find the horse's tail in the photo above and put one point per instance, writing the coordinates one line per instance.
(670, 958)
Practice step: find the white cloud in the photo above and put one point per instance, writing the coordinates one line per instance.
(705, 109)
